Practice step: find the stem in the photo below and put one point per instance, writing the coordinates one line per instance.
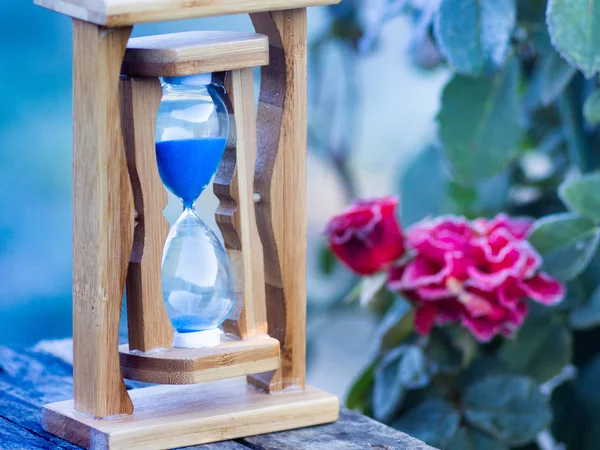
(573, 122)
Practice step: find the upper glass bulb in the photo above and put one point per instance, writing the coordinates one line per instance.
(191, 136)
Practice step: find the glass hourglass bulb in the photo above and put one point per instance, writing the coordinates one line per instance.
(191, 135)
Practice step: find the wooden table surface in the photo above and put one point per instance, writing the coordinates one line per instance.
(30, 378)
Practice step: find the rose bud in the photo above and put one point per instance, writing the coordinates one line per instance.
(367, 236)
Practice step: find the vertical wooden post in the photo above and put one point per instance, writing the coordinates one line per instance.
(103, 219)
(236, 216)
(280, 180)
(148, 324)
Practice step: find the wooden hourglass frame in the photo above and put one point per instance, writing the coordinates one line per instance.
(119, 230)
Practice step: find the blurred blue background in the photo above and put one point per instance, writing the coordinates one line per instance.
(354, 115)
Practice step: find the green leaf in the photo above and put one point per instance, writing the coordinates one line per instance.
(359, 396)
(474, 35)
(327, 260)
(587, 315)
(591, 108)
(431, 197)
(569, 421)
(463, 196)
(479, 124)
(401, 369)
(442, 195)
(567, 243)
(555, 75)
(583, 195)
(510, 408)
(469, 439)
(541, 350)
(574, 27)
(483, 366)
(589, 394)
(450, 350)
(433, 421)
(396, 326)
(575, 296)
(370, 286)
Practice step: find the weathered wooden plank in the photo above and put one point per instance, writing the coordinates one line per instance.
(25, 416)
(352, 431)
(37, 377)
(29, 379)
(15, 437)
(227, 445)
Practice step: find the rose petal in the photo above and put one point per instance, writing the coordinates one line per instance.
(478, 273)
(517, 314)
(543, 289)
(434, 292)
(449, 226)
(518, 227)
(509, 293)
(450, 311)
(533, 260)
(425, 318)
(394, 277)
(423, 272)
(367, 237)
(490, 275)
(478, 306)
(484, 330)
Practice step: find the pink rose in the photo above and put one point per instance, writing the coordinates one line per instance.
(367, 236)
(479, 273)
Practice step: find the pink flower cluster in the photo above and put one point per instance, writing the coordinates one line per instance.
(479, 273)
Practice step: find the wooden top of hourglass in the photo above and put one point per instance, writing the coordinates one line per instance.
(194, 52)
(118, 13)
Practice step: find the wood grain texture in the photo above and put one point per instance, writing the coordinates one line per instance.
(352, 431)
(280, 180)
(149, 326)
(194, 52)
(118, 13)
(103, 219)
(176, 416)
(231, 358)
(234, 186)
(30, 378)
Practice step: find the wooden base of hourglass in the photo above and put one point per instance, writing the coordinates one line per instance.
(118, 203)
(179, 416)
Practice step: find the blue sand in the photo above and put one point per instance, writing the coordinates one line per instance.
(190, 323)
(187, 166)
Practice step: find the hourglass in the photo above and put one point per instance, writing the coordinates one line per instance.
(197, 276)
(134, 139)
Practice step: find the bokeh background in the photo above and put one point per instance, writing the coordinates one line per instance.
(371, 111)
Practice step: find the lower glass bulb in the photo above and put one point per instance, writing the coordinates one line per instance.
(198, 280)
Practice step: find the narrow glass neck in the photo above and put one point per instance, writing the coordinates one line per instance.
(188, 206)
(189, 209)
(189, 215)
